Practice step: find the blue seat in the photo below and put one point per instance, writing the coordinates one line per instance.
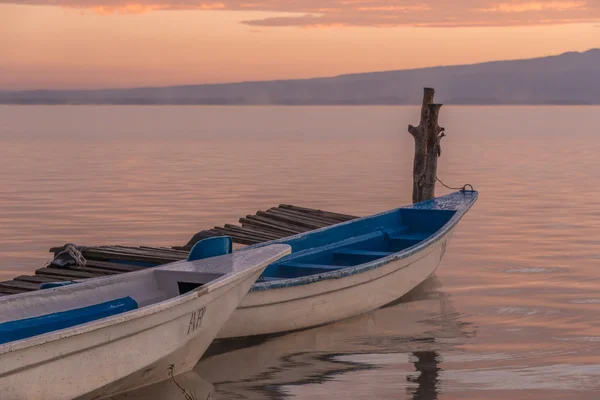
(211, 247)
(297, 269)
(24, 328)
(50, 285)
(404, 241)
(355, 256)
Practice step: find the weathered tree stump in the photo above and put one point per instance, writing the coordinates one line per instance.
(427, 148)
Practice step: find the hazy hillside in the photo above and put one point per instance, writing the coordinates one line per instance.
(570, 78)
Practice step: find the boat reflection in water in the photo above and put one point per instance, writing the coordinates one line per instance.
(338, 360)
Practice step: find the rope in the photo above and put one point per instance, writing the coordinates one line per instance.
(463, 189)
(75, 254)
(183, 391)
(419, 178)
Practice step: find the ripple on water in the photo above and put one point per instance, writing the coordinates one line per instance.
(534, 270)
(550, 377)
(526, 311)
(585, 301)
(580, 339)
(561, 226)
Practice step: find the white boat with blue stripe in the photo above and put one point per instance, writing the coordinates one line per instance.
(104, 336)
(350, 268)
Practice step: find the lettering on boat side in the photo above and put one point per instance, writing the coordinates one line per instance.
(196, 320)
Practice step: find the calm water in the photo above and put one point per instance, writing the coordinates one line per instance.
(512, 313)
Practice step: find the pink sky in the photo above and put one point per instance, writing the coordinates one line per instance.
(114, 43)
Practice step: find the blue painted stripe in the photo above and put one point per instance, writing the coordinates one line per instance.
(28, 327)
(50, 285)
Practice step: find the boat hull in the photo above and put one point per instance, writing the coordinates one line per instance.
(322, 302)
(131, 354)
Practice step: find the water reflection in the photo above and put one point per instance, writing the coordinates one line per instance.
(322, 362)
(427, 366)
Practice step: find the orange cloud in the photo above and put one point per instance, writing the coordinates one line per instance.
(536, 6)
(128, 9)
(140, 8)
(420, 7)
(309, 13)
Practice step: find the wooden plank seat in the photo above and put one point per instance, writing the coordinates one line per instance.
(14, 284)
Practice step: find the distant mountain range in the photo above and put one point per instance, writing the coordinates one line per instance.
(570, 78)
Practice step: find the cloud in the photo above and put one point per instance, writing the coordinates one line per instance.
(141, 8)
(520, 7)
(128, 9)
(309, 13)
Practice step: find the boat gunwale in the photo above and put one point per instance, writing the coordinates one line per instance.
(460, 201)
(132, 315)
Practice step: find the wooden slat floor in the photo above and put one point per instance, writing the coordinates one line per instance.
(275, 223)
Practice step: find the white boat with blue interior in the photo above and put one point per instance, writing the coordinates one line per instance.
(108, 335)
(350, 268)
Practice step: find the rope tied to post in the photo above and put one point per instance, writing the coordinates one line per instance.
(465, 188)
(462, 189)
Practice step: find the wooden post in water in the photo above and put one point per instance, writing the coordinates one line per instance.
(427, 148)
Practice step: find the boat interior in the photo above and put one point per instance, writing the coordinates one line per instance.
(357, 242)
